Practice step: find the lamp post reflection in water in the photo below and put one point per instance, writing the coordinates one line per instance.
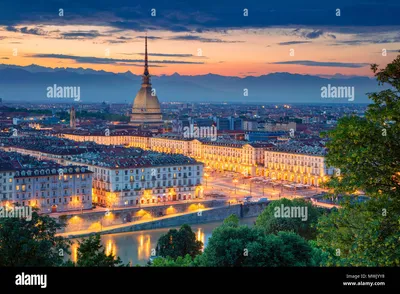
(74, 252)
(144, 247)
(200, 237)
(111, 248)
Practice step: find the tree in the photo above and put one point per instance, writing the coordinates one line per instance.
(284, 249)
(362, 234)
(92, 254)
(179, 243)
(366, 152)
(31, 242)
(232, 220)
(235, 246)
(272, 223)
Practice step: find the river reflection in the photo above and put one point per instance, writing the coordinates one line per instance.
(137, 247)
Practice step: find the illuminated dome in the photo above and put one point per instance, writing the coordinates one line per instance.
(146, 108)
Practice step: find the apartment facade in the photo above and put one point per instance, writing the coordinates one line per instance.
(299, 167)
(168, 178)
(236, 156)
(51, 189)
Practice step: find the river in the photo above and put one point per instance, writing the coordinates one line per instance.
(136, 247)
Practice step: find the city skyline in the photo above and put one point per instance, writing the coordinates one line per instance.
(209, 134)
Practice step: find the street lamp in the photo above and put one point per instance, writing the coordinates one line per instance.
(235, 181)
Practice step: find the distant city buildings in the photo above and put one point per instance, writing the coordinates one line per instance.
(229, 123)
(262, 136)
(154, 166)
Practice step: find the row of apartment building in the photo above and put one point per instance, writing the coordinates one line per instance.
(122, 176)
(291, 162)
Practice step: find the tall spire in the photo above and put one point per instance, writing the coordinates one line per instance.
(146, 75)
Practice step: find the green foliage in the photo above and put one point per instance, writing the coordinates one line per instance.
(92, 254)
(367, 152)
(179, 243)
(186, 261)
(227, 244)
(284, 249)
(271, 224)
(31, 243)
(234, 246)
(367, 234)
(320, 257)
(231, 220)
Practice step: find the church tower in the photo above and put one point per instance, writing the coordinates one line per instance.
(72, 118)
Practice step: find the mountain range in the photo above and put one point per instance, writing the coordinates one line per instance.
(29, 83)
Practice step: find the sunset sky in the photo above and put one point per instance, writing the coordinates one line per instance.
(200, 37)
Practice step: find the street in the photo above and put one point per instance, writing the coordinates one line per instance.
(236, 186)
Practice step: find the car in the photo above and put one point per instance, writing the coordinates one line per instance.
(247, 198)
(263, 200)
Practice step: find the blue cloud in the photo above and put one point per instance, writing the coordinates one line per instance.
(322, 63)
(293, 43)
(183, 16)
(97, 60)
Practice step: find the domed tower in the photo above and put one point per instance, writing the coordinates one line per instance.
(146, 110)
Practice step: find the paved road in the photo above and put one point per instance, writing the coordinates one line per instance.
(221, 182)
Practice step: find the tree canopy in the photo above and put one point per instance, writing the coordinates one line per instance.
(31, 242)
(179, 243)
(92, 254)
(366, 150)
(271, 223)
(232, 245)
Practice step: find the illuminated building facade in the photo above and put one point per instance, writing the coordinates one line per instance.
(237, 156)
(113, 138)
(124, 180)
(297, 166)
(47, 188)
